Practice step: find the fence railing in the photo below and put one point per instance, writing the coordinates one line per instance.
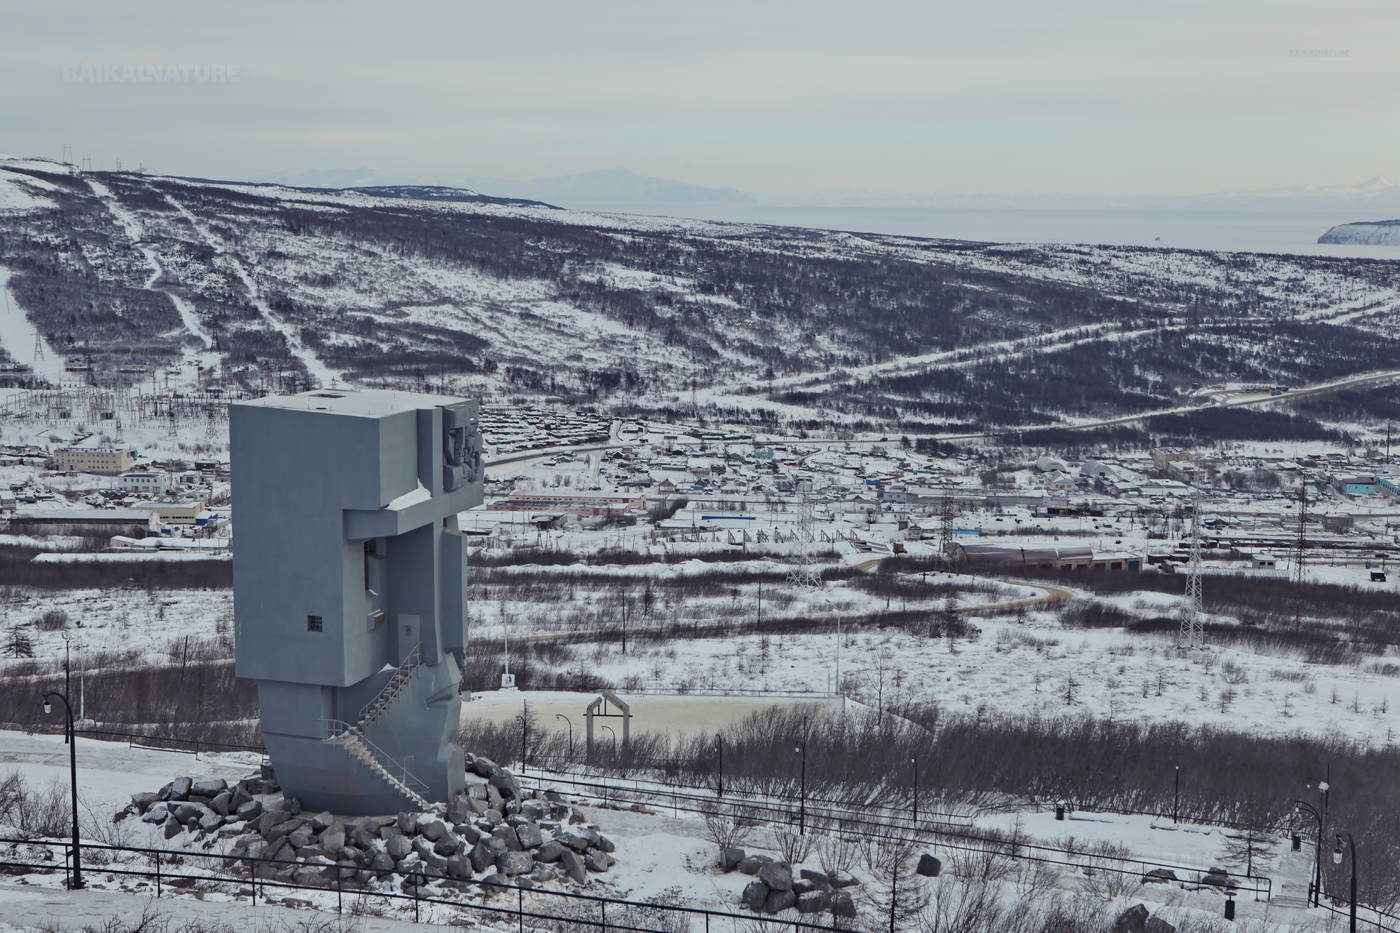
(163, 743)
(1381, 920)
(787, 812)
(737, 784)
(171, 870)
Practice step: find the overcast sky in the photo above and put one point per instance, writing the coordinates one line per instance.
(784, 99)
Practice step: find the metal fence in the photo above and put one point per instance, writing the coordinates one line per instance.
(173, 870)
(787, 812)
(1381, 920)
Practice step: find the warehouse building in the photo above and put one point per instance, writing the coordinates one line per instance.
(130, 522)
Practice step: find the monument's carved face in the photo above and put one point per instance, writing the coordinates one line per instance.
(461, 454)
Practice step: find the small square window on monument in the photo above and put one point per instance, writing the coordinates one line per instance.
(313, 624)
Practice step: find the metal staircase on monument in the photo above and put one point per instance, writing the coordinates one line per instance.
(392, 771)
(393, 688)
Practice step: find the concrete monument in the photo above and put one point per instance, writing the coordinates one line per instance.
(349, 581)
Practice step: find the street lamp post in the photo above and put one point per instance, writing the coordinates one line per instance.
(571, 734)
(1176, 797)
(719, 747)
(915, 762)
(77, 881)
(1324, 791)
(802, 785)
(67, 672)
(1337, 860)
(1301, 807)
(802, 791)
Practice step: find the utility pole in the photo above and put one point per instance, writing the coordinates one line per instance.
(1192, 635)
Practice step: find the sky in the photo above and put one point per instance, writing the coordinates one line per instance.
(788, 100)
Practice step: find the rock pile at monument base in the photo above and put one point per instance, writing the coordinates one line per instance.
(490, 834)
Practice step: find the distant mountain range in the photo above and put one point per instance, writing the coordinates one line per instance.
(601, 189)
(623, 190)
(1376, 194)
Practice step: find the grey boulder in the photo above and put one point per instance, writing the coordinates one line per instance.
(777, 875)
(529, 836)
(572, 865)
(779, 901)
(550, 852)
(929, 866)
(1132, 920)
(514, 863)
(398, 847)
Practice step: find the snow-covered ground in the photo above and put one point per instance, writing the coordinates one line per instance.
(663, 856)
(144, 623)
(1034, 668)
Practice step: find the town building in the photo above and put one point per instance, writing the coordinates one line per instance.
(130, 522)
(146, 482)
(1177, 464)
(1349, 485)
(172, 513)
(573, 503)
(113, 460)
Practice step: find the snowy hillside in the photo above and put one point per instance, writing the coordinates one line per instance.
(135, 279)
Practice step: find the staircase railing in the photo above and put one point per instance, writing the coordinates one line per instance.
(396, 772)
(394, 686)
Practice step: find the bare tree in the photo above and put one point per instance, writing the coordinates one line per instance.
(794, 847)
(895, 891)
(729, 829)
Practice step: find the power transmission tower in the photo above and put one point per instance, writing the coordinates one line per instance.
(1298, 572)
(947, 512)
(805, 574)
(1300, 545)
(1192, 636)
